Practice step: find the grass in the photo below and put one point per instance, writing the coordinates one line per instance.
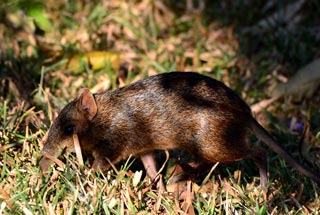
(151, 37)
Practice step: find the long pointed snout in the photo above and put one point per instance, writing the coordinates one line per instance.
(44, 163)
(51, 150)
(48, 158)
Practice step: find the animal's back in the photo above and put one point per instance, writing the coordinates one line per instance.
(180, 110)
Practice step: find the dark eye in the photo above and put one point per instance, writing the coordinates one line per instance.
(68, 130)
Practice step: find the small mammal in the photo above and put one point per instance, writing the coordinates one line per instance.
(172, 110)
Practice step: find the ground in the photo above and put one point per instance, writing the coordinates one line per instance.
(48, 52)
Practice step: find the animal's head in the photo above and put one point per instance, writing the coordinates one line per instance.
(73, 119)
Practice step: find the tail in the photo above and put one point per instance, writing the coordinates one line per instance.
(267, 138)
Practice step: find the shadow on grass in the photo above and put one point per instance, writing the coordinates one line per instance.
(293, 41)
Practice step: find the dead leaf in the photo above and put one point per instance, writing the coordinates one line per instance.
(187, 206)
(227, 186)
(136, 178)
(103, 84)
(258, 107)
(5, 194)
(95, 60)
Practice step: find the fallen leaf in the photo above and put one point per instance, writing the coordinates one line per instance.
(95, 60)
(263, 104)
(112, 203)
(136, 178)
(187, 206)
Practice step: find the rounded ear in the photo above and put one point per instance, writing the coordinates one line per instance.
(86, 103)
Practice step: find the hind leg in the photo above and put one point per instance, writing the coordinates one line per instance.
(258, 155)
(149, 164)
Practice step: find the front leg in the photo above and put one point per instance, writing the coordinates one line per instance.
(100, 162)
